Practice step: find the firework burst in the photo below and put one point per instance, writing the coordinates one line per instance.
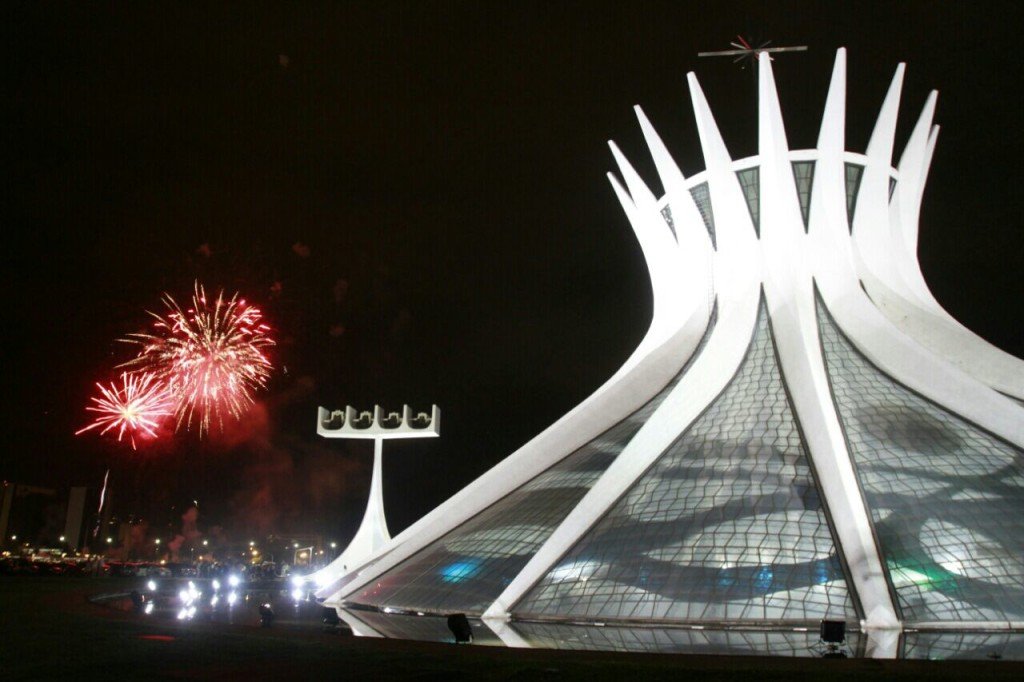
(211, 356)
(136, 407)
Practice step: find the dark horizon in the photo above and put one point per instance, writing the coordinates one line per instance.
(414, 194)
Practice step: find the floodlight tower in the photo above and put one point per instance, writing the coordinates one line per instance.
(350, 423)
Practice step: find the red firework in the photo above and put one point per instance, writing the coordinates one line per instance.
(210, 356)
(135, 408)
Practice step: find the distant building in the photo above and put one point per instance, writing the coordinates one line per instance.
(34, 516)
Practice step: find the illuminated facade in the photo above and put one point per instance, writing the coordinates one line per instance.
(802, 434)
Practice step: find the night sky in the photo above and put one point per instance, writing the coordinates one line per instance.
(415, 195)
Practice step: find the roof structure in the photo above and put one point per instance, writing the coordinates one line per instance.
(803, 434)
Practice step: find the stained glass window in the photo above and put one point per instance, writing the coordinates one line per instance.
(726, 525)
(853, 177)
(666, 214)
(641, 639)
(469, 567)
(702, 197)
(750, 181)
(946, 498)
(803, 175)
(939, 646)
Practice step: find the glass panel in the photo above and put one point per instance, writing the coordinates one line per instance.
(938, 646)
(946, 498)
(726, 525)
(702, 197)
(750, 181)
(803, 174)
(469, 567)
(666, 213)
(678, 640)
(422, 628)
(853, 176)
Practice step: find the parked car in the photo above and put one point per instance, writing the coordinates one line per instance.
(48, 567)
(120, 569)
(16, 565)
(182, 570)
(152, 570)
(76, 567)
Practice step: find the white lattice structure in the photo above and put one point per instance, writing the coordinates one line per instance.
(802, 434)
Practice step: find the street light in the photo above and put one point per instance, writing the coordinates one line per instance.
(206, 543)
(109, 540)
(157, 541)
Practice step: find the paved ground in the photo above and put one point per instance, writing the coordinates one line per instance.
(48, 630)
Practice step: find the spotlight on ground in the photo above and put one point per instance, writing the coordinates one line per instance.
(266, 615)
(833, 634)
(138, 601)
(459, 625)
(330, 619)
